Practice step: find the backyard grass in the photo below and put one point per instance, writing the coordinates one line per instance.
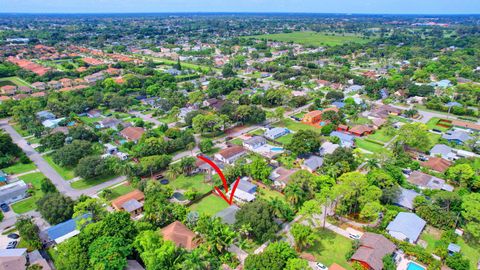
(191, 182)
(14, 80)
(285, 139)
(432, 124)
(312, 38)
(331, 248)
(184, 64)
(209, 205)
(256, 132)
(87, 120)
(121, 190)
(88, 183)
(431, 236)
(296, 126)
(29, 204)
(380, 135)
(66, 173)
(269, 194)
(236, 141)
(361, 121)
(19, 168)
(167, 119)
(369, 146)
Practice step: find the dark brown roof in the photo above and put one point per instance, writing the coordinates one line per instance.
(180, 235)
(373, 247)
(360, 129)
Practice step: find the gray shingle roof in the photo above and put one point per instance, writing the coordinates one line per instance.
(313, 162)
(228, 214)
(406, 198)
(408, 224)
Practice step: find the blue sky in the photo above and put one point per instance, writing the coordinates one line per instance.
(311, 6)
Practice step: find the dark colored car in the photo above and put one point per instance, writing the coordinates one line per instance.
(4, 207)
(13, 236)
(12, 245)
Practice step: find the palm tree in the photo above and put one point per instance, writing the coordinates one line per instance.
(293, 194)
(372, 164)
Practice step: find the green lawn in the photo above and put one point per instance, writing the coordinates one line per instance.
(191, 182)
(88, 120)
(361, 121)
(184, 64)
(296, 126)
(236, 141)
(166, 119)
(432, 124)
(312, 38)
(472, 253)
(369, 146)
(269, 194)
(30, 203)
(380, 136)
(19, 168)
(20, 131)
(14, 80)
(121, 190)
(257, 132)
(285, 139)
(88, 183)
(209, 205)
(331, 248)
(66, 173)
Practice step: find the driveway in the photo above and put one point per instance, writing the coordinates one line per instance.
(62, 185)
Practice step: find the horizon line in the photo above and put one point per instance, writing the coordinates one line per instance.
(231, 12)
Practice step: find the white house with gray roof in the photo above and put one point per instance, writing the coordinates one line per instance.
(13, 192)
(276, 133)
(312, 163)
(406, 227)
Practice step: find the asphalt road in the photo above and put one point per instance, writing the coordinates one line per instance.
(62, 185)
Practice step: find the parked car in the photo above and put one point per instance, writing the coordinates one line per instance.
(12, 245)
(13, 236)
(321, 266)
(354, 236)
(4, 207)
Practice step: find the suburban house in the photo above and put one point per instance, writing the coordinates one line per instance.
(45, 115)
(449, 153)
(406, 227)
(328, 148)
(245, 191)
(275, 133)
(132, 133)
(62, 231)
(361, 130)
(426, 181)
(180, 235)
(384, 111)
(131, 202)
(109, 123)
(281, 176)
(406, 198)
(346, 140)
(13, 259)
(315, 117)
(453, 248)
(227, 215)
(13, 192)
(312, 163)
(94, 113)
(215, 103)
(254, 143)
(437, 164)
(231, 154)
(372, 248)
(39, 85)
(457, 136)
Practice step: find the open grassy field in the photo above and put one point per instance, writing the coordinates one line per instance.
(369, 146)
(13, 81)
(88, 183)
(296, 126)
(121, 190)
(184, 64)
(313, 39)
(191, 182)
(19, 168)
(209, 205)
(30, 203)
(380, 136)
(331, 248)
(66, 173)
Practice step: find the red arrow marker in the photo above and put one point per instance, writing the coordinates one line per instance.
(224, 180)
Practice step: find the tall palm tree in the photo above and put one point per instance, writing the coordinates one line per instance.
(372, 164)
(293, 194)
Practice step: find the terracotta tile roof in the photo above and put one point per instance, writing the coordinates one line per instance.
(437, 164)
(335, 266)
(360, 129)
(231, 151)
(134, 195)
(180, 235)
(132, 133)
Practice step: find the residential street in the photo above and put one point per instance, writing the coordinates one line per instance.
(62, 185)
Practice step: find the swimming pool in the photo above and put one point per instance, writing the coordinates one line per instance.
(276, 149)
(414, 266)
(179, 196)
